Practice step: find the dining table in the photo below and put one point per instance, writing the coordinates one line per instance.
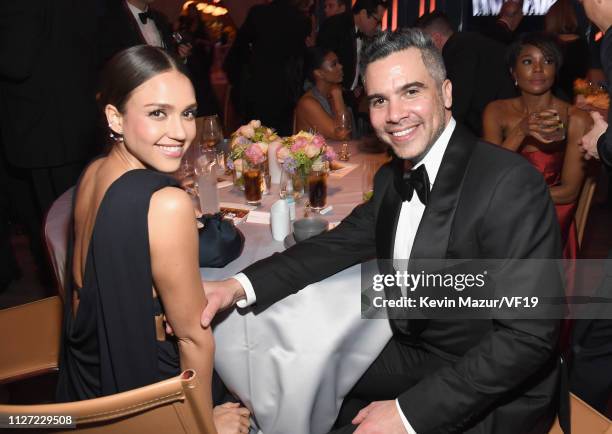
(293, 363)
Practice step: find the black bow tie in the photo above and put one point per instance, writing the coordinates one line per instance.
(144, 16)
(409, 181)
(359, 34)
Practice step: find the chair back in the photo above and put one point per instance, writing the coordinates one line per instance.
(171, 406)
(30, 339)
(584, 419)
(56, 230)
(584, 206)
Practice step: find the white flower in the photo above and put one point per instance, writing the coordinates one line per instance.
(263, 146)
(247, 131)
(282, 153)
(312, 151)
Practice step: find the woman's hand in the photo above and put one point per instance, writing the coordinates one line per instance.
(335, 93)
(541, 125)
(230, 418)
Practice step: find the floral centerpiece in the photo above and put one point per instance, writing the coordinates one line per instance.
(300, 152)
(249, 146)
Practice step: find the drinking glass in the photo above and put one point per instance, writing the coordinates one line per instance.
(551, 123)
(253, 178)
(206, 172)
(343, 127)
(317, 188)
(211, 132)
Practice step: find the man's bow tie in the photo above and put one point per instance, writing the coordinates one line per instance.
(359, 34)
(144, 16)
(409, 181)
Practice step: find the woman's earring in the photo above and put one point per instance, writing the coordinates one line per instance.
(516, 83)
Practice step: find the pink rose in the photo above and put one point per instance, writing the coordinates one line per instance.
(299, 144)
(255, 123)
(318, 141)
(312, 151)
(282, 153)
(254, 154)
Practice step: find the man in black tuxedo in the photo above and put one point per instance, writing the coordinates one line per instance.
(456, 375)
(591, 376)
(134, 22)
(344, 34)
(47, 101)
(475, 64)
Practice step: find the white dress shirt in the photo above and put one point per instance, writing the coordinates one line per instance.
(149, 31)
(407, 225)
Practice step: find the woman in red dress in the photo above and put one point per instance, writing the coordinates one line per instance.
(543, 128)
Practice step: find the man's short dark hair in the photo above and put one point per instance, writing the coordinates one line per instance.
(370, 6)
(383, 44)
(436, 21)
(545, 42)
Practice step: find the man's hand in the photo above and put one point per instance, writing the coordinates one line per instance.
(589, 141)
(220, 295)
(380, 417)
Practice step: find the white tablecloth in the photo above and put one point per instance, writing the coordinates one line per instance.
(293, 363)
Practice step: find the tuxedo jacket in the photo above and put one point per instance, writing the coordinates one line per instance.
(604, 144)
(337, 33)
(47, 81)
(486, 202)
(119, 30)
(477, 68)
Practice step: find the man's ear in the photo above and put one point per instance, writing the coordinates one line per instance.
(114, 118)
(447, 94)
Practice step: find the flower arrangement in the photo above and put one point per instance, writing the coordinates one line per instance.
(250, 142)
(300, 151)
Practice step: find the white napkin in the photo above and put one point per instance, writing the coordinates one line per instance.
(261, 217)
(279, 219)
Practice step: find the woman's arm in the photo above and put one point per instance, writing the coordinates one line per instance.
(573, 172)
(493, 128)
(310, 111)
(173, 240)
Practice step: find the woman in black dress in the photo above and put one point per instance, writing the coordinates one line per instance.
(134, 245)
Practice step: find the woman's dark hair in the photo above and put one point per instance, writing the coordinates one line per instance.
(130, 68)
(313, 59)
(545, 42)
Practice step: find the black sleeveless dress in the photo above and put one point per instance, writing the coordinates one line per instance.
(111, 345)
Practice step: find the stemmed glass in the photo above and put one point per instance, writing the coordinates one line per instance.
(211, 132)
(343, 127)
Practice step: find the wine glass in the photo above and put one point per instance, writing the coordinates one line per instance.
(343, 127)
(211, 132)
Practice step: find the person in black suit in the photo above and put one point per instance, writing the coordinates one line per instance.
(591, 377)
(47, 103)
(344, 33)
(489, 376)
(265, 62)
(475, 64)
(134, 22)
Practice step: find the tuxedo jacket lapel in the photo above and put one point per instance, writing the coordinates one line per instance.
(434, 232)
(433, 235)
(388, 215)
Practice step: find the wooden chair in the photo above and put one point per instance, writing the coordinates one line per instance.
(30, 340)
(584, 419)
(584, 206)
(31, 346)
(170, 406)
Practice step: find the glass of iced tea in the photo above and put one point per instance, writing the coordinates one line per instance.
(252, 176)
